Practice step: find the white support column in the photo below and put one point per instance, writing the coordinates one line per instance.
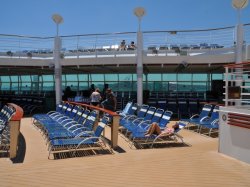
(239, 42)
(139, 68)
(139, 12)
(238, 55)
(58, 69)
(57, 59)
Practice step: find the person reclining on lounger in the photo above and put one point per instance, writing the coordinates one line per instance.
(155, 129)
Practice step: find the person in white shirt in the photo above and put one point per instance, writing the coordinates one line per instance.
(95, 97)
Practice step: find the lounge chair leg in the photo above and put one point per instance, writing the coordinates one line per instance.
(49, 152)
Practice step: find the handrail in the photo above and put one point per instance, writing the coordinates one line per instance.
(114, 125)
(238, 65)
(197, 30)
(93, 107)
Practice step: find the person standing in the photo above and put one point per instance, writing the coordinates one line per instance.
(110, 102)
(122, 46)
(95, 97)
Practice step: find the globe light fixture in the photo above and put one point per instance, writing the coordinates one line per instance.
(58, 20)
(239, 4)
(139, 12)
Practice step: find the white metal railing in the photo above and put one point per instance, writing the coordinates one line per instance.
(237, 84)
(165, 43)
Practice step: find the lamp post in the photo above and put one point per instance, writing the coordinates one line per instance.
(238, 5)
(139, 12)
(57, 64)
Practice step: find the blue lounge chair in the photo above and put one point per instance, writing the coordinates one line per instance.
(206, 110)
(140, 114)
(208, 120)
(163, 121)
(131, 112)
(74, 129)
(6, 114)
(139, 138)
(131, 125)
(126, 110)
(212, 127)
(156, 118)
(60, 109)
(92, 141)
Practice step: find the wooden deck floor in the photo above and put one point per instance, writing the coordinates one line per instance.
(198, 164)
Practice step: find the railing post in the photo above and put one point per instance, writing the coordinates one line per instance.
(226, 86)
(15, 129)
(114, 131)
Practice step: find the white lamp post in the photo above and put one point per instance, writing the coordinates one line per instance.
(139, 12)
(239, 4)
(58, 68)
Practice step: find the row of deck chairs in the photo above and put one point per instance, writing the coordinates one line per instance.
(207, 122)
(5, 115)
(70, 129)
(135, 125)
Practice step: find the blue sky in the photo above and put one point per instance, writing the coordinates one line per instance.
(33, 17)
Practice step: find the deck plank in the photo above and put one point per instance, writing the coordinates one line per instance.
(199, 164)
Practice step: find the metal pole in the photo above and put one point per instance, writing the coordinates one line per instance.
(239, 49)
(139, 69)
(239, 42)
(58, 69)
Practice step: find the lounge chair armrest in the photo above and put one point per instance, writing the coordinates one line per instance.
(206, 118)
(137, 119)
(67, 119)
(130, 117)
(80, 128)
(215, 121)
(143, 126)
(194, 116)
(50, 112)
(69, 123)
(87, 133)
(75, 125)
(89, 138)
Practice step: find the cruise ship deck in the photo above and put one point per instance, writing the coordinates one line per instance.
(196, 163)
(178, 71)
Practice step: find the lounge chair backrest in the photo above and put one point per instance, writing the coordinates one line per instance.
(7, 112)
(101, 126)
(165, 118)
(89, 122)
(133, 109)
(127, 107)
(74, 111)
(79, 113)
(215, 113)
(157, 115)
(205, 110)
(59, 108)
(143, 110)
(64, 108)
(3, 110)
(84, 116)
(68, 110)
(150, 113)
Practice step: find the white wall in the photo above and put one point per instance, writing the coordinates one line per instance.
(234, 141)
